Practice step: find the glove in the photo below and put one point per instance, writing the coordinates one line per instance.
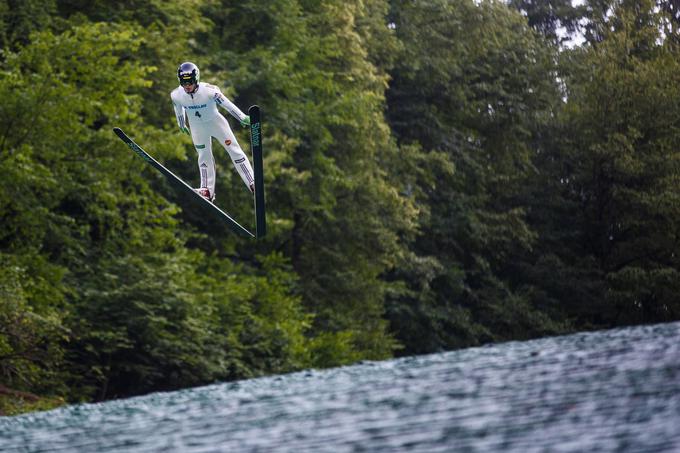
(185, 130)
(245, 122)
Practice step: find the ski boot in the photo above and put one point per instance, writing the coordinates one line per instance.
(205, 193)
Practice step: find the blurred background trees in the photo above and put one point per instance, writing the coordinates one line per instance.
(439, 174)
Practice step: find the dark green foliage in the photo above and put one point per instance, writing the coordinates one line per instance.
(439, 174)
(31, 326)
(114, 303)
(557, 20)
(470, 86)
(332, 210)
(20, 18)
(615, 172)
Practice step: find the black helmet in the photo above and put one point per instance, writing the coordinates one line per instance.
(188, 74)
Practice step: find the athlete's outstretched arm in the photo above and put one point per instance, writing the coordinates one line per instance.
(181, 118)
(226, 104)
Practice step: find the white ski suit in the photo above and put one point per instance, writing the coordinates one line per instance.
(205, 121)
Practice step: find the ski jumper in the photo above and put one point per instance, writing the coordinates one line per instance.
(205, 121)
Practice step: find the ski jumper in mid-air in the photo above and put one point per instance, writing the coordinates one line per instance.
(198, 103)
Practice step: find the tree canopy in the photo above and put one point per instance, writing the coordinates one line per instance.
(439, 174)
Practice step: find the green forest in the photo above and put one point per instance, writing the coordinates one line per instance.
(439, 174)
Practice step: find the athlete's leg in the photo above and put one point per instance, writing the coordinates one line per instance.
(224, 134)
(206, 163)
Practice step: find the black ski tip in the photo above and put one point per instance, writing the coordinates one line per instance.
(119, 132)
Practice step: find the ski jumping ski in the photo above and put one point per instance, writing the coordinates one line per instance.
(180, 185)
(256, 146)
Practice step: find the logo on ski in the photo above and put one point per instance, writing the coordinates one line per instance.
(255, 134)
(139, 151)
